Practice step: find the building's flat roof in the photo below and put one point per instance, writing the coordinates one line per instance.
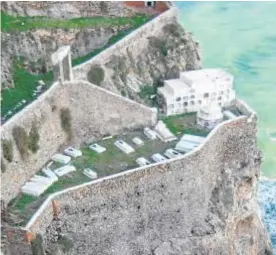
(211, 75)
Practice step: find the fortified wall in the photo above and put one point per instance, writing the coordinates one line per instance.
(135, 42)
(94, 113)
(203, 202)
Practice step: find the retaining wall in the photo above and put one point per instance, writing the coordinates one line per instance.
(95, 112)
(134, 42)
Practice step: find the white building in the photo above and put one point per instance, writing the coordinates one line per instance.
(195, 88)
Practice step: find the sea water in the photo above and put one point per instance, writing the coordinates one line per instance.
(241, 37)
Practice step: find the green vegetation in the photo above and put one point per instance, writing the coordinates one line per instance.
(25, 82)
(33, 139)
(7, 149)
(21, 140)
(16, 23)
(147, 91)
(24, 85)
(20, 202)
(37, 245)
(184, 123)
(65, 243)
(66, 118)
(159, 44)
(96, 75)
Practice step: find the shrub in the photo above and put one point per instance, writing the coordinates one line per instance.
(66, 119)
(7, 150)
(21, 140)
(3, 166)
(37, 245)
(33, 139)
(65, 243)
(159, 44)
(96, 75)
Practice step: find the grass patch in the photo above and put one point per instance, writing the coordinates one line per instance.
(19, 23)
(21, 140)
(24, 85)
(7, 149)
(184, 123)
(21, 201)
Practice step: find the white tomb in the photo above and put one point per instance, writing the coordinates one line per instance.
(163, 132)
(229, 114)
(137, 141)
(37, 185)
(72, 152)
(89, 173)
(64, 170)
(209, 115)
(150, 133)
(50, 174)
(61, 158)
(189, 142)
(123, 146)
(171, 153)
(157, 157)
(142, 161)
(97, 148)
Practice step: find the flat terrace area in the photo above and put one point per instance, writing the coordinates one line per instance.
(110, 162)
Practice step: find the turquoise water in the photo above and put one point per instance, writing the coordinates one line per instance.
(241, 37)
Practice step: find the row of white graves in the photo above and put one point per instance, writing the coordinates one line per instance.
(37, 185)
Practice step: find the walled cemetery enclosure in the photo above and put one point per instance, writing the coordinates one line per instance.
(110, 162)
(157, 199)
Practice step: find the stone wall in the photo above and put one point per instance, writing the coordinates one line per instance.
(134, 42)
(202, 203)
(95, 112)
(67, 10)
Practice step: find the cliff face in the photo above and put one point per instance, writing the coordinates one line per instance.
(162, 56)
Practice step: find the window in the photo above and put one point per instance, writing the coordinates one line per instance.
(199, 101)
(192, 97)
(171, 106)
(185, 103)
(192, 90)
(185, 98)
(178, 99)
(214, 94)
(221, 92)
(206, 95)
(219, 98)
(192, 102)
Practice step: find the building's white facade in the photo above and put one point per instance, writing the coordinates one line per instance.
(196, 88)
